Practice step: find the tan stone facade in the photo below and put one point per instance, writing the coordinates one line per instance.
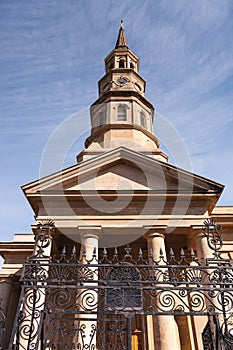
(123, 191)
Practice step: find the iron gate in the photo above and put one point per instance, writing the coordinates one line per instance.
(70, 302)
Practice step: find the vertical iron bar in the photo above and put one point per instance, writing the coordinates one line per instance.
(129, 327)
(32, 320)
(219, 335)
(15, 329)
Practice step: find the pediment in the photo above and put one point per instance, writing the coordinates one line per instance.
(124, 169)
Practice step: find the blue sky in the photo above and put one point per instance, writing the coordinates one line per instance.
(52, 55)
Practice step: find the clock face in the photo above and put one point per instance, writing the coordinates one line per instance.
(122, 81)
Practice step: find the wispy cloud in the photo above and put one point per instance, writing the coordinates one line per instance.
(52, 57)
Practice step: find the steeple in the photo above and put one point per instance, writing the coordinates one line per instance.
(121, 56)
(121, 40)
(122, 116)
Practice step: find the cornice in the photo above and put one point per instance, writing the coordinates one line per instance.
(98, 131)
(125, 95)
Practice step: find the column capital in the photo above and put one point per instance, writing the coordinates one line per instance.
(199, 236)
(197, 227)
(155, 231)
(89, 239)
(197, 231)
(90, 231)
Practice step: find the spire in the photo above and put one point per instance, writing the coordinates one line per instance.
(122, 116)
(121, 40)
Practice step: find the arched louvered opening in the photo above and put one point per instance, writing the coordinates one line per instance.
(142, 120)
(121, 113)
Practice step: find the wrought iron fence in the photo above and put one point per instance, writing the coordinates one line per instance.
(71, 301)
(2, 322)
(208, 337)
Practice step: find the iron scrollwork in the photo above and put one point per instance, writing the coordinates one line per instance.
(89, 293)
(43, 238)
(208, 337)
(126, 293)
(74, 333)
(227, 332)
(2, 322)
(214, 237)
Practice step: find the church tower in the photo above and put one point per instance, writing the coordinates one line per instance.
(98, 271)
(122, 116)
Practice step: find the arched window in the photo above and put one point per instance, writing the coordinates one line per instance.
(121, 63)
(126, 288)
(131, 65)
(101, 119)
(111, 65)
(142, 120)
(121, 113)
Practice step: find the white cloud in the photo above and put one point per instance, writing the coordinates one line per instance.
(52, 56)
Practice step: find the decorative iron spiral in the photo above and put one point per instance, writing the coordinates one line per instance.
(63, 298)
(88, 299)
(225, 299)
(227, 332)
(166, 300)
(34, 297)
(197, 301)
(214, 238)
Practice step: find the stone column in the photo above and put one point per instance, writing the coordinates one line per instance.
(203, 250)
(88, 298)
(163, 328)
(89, 240)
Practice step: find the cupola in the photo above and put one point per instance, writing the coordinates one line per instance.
(122, 116)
